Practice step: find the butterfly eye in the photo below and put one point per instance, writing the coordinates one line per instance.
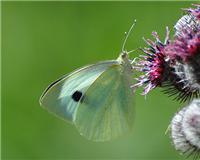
(76, 96)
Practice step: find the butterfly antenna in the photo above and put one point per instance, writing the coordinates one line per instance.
(132, 50)
(127, 35)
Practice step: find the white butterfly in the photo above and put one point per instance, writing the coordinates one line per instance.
(97, 98)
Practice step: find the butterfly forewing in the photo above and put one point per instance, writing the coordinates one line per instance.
(106, 112)
(63, 97)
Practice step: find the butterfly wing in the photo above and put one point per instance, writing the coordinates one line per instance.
(106, 111)
(63, 96)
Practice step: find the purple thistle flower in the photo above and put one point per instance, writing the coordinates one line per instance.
(174, 65)
(184, 55)
(153, 64)
(187, 36)
(185, 45)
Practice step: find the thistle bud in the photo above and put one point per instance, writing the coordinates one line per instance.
(185, 129)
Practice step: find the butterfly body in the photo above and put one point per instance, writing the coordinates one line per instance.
(97, 99)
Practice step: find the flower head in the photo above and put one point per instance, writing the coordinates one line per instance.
(186, 43)
(184, 55)
(185, 129)
(175, 64)
(153, 64)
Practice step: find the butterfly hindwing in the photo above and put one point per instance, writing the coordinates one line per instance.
(63, 97)
(106, 111)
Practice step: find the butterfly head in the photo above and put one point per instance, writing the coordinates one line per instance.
(124, 55)
(124, 60)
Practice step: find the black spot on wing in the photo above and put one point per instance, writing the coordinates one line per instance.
(76, 96)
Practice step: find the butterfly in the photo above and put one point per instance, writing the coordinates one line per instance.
(97, 99)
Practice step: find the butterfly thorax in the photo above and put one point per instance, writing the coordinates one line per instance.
(124, 60)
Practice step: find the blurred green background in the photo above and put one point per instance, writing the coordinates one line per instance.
(41, 41)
